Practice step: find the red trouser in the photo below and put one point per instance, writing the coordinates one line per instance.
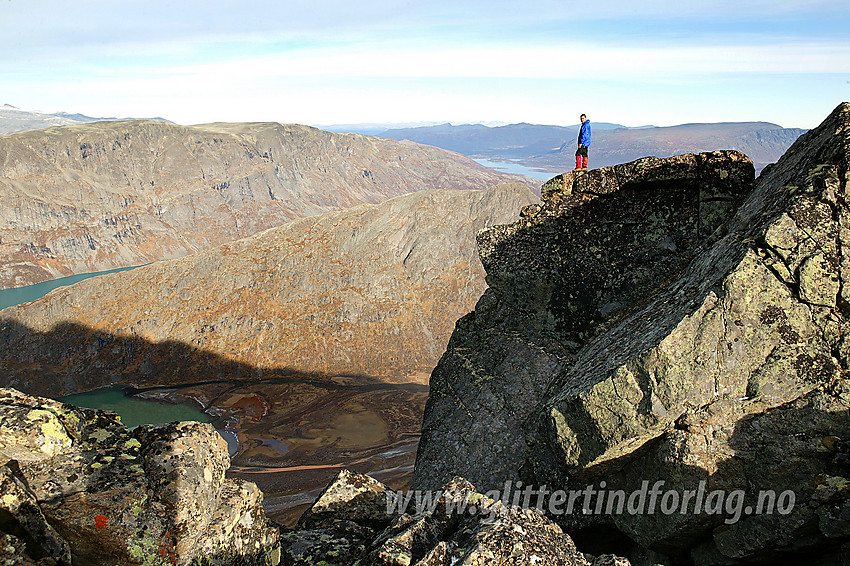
(581, 157)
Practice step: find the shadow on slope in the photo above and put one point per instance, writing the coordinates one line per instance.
(295, 430)
(71, 358)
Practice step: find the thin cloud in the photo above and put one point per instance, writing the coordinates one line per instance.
(530, 62)
(310, 60)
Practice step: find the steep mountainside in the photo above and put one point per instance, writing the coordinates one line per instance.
(373, 290)
(667, 323)
(112, 194)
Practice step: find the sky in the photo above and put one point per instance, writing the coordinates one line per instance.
(397, 61)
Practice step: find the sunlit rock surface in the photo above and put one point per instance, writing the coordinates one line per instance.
(76, 483)
(351, 523)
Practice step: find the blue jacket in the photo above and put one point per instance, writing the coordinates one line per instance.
(584, 133)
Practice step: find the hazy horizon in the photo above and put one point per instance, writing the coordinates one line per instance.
(379, 125)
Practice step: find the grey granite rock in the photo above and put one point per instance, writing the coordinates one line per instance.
(462, 527)
(600, 243)
(154, 495)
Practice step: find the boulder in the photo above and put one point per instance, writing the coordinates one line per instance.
(79, 484)
(339, 526)
(357, 520)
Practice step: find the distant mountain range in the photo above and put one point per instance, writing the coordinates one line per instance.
(509, 142)
(14, 119)
(552, 148)
(545, 148)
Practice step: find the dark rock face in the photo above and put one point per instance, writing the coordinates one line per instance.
(602, 239)
(76, 484)
(719, 355)
(350, 523)
(598, 244)
(22, 516)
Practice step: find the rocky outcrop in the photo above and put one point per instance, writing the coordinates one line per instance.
(660, 333)
(598, 244)
(358, 521)
(92, 197)
(75, 484)
(374, 291)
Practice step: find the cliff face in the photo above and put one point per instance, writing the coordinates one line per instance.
(76, 485)
(112, 194)
(673, 327)
(373, 290)
(598, 244)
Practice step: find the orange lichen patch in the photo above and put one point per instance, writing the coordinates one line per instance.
(100, 521)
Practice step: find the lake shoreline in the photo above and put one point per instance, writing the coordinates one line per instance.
(324, 425)
(13, 296)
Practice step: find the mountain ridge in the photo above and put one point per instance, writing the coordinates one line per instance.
(15, 120)
(371, 290)
(102, 195)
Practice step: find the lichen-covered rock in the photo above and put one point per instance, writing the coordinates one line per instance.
(469, 529)
(21, 515)
(185, 465)
(461, 528)
(13, 552)
(599, 244)
(660, 336)
(349, 497)
(609, 560)
(340, 524)
(154, 495)
(732, 374)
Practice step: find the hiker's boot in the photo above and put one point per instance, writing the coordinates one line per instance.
(584, 162)
(578, 162)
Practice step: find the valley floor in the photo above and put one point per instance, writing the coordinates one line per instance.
(294, 434)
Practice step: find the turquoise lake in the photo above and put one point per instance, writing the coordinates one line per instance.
(133, 410)
(18, 295)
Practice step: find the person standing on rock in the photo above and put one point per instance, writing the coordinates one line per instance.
(583, 142)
